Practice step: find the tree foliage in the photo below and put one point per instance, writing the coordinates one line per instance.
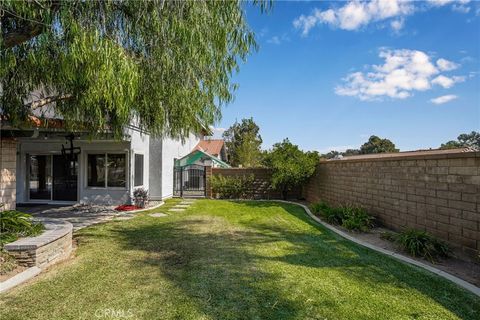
(243, 143)
(373, 145)
(377, 145)
(290, 165)
(471, 139)
(165, 65)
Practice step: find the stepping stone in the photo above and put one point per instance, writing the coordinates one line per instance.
(176, 209)
(125, 217)
(158, 215)
(182, 206)
(186, 202)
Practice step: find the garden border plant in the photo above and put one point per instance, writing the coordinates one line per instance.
(13, 225)
(348, 216)
(419, 243)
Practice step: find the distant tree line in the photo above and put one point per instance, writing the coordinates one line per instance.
(373, 145)
(471, 140)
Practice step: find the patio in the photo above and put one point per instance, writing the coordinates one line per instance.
(79, 215)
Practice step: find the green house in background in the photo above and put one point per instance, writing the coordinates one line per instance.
(198, 157)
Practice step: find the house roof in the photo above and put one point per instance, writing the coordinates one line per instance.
(407, 154)
(213, 146)
(196, 155)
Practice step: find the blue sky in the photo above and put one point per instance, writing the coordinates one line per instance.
(330, 74)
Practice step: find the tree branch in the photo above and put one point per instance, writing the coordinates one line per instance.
(44, 101)
(21, 35)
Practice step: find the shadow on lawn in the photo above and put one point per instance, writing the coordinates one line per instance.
(218, 269)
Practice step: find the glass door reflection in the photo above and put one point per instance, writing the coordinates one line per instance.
(40, 177)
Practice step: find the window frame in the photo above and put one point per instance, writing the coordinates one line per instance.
(105, 154)
(135, 169)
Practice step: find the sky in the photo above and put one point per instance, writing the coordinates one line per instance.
(328, 75)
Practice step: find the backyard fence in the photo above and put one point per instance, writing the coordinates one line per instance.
(439, 192)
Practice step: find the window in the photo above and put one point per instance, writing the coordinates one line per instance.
(96, 170)
(107, 170)
(138, 181)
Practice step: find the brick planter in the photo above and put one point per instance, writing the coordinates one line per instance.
(53, 245)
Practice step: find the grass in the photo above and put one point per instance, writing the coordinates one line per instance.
(232, 260)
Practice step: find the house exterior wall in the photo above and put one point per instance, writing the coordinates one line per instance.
(140, 144)
(85, 194)
(155, 169)
(436, 193)
(174, 149)
(8, 168)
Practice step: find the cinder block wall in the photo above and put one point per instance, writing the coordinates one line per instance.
(8, 151)
(437, 193)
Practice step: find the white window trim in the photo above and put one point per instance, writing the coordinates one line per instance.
(106, 187)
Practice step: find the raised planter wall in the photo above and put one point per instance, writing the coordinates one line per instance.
(438, 193)
(53, 245)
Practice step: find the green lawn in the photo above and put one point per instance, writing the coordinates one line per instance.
(232, 260)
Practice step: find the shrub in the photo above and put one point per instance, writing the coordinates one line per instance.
(318, 207)
(419, 243)
(356, 218)
(349, 217)
(140, 197)
(15, 224)
(333, 215)
(232, 187)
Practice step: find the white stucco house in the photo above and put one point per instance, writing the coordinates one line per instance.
(54, 166)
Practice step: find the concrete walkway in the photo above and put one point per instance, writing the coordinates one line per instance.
(80, 216)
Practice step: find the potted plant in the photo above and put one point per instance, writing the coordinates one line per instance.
(140, 197)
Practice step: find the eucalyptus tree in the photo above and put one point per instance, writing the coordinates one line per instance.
(243, 143)
(167, 65)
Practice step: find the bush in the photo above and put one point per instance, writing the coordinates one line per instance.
(15, 224)
(349, 217)
(140, 197)
(419, 243)
(318, 207)
(240, 187)
(356, 218)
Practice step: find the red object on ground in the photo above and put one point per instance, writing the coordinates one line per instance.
(127, 207)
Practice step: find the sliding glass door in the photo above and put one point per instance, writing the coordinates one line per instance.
(40, 177)
(52, 177)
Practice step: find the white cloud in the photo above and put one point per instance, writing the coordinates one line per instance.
(278, 39)
(403, 72)
(397, 25)
(441, 3)
(274, 40)
(446, 65)
(447, 82)
(355, 14)
(443, 99)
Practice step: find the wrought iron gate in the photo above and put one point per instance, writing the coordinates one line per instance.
(189, 181)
